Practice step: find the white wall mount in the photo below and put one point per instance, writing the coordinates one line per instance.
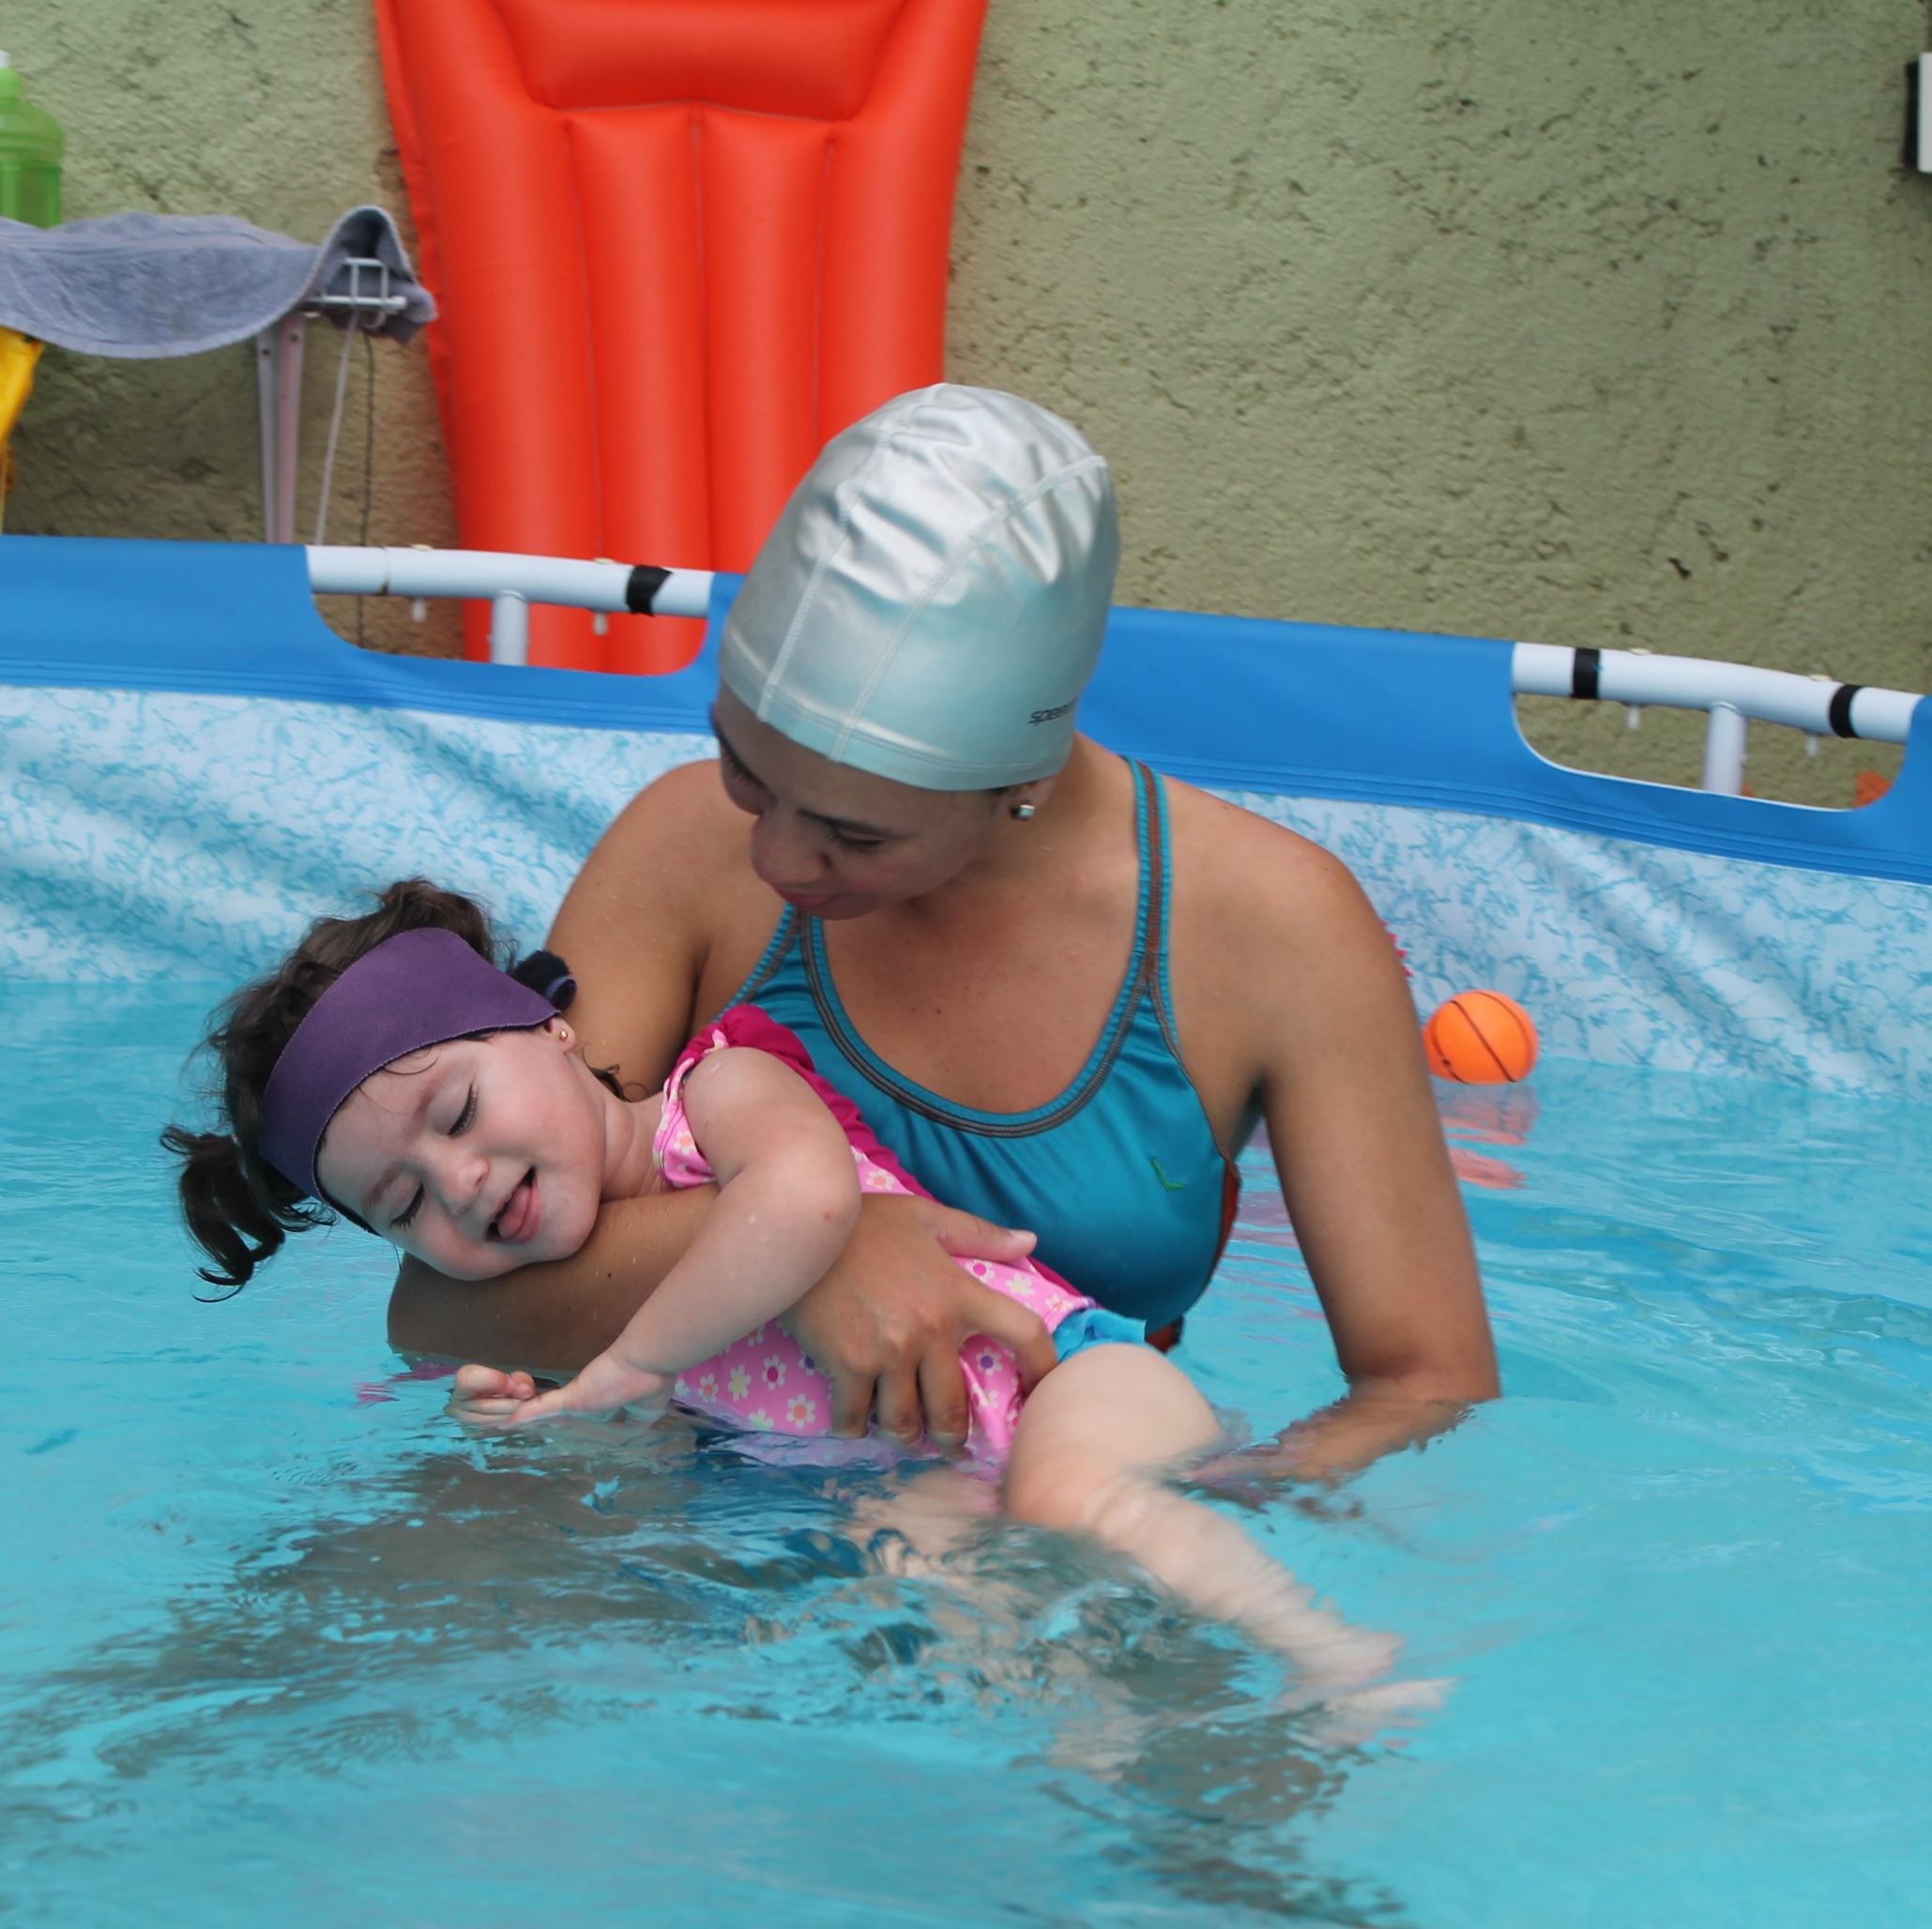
(1918, 114)
(363, 306)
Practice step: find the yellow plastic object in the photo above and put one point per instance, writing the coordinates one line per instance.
(17, 355)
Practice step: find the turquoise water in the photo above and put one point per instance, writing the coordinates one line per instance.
(275, 1647)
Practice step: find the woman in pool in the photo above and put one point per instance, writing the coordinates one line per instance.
(1064, 991)
(390, 1072)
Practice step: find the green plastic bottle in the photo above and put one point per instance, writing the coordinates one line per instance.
(31, 145)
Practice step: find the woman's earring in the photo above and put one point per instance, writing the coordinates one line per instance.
(1024, 813)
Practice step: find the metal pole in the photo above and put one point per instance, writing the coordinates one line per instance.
(279, 395)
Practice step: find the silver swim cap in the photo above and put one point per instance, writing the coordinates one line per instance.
(930, 603)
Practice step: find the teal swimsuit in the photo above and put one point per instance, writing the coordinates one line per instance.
(1120, 1175)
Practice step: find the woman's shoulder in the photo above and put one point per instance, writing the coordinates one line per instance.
(667, 897)
(677, 842)
(1271, 945)
(1250, 875)
(683, 813)
(1274, 946)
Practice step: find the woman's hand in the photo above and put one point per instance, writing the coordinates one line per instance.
(1373, 1418)
(887, 1323)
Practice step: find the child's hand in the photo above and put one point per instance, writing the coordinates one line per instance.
(603, 1387)
(607, 1385)
(484, 1397)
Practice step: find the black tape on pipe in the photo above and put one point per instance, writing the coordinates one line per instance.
(641, 591)
(1584, 668)
(1839, 715)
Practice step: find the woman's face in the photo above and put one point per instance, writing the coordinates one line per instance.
(476, 1156)
(836, 841)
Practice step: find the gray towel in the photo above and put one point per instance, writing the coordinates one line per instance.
(142, 286)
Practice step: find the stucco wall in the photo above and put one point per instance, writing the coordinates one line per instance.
(1594, 325)
(271, 110)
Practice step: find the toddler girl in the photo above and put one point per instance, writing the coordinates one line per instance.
(389, 1073)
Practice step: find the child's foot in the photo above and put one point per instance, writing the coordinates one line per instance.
(918, 1524)
(1354, 1717)
(1343, 1681)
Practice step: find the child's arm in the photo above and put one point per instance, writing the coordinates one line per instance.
(787, 1201)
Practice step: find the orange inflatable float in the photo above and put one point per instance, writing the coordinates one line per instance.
(676, 244)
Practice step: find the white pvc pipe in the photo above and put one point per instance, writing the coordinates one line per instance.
(1695, 683)
(1537, 669)
(509, 629)
(1724, 750)
(482, 572)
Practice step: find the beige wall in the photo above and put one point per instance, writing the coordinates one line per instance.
(271, 110)
(1598, 324)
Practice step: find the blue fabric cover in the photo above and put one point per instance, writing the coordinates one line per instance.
(1294, 709)
(192, 766)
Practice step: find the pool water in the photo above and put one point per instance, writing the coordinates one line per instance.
(279, 1643)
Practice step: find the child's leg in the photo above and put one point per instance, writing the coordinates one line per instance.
(921, 1521)
(1093, 1441)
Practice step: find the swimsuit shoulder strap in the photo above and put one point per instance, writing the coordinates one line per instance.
(1156, 880)
(766, 968)
(1156, 887)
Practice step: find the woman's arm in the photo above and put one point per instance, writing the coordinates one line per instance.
(1359, 1149)
(787, 1201)
(551, 1319)
(887, 1321)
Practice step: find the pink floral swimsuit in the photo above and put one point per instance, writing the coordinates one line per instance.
(766, 1382)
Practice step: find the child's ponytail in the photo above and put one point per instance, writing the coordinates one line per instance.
(239, 1209)
(239, 1224)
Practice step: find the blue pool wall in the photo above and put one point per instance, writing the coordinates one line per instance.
(193, 765)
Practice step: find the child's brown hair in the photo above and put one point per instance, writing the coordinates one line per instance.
(239, 1209)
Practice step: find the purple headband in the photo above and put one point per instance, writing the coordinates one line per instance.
(415, 989)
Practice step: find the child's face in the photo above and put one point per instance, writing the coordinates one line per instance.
(478, 1156)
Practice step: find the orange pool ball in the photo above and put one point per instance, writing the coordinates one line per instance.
(1480, 1038)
